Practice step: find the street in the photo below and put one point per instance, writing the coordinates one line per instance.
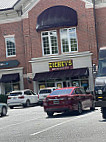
(33, 125)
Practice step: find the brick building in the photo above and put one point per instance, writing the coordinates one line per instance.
(48, 43)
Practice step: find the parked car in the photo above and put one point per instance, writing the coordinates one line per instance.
(22, 98)
(68, 99)
(43, 93)
(3, 109)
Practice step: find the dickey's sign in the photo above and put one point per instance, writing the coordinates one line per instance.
(61, 65)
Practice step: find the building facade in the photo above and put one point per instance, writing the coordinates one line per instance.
(48, 43)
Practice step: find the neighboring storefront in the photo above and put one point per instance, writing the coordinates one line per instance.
(63, 71)
(11, 78)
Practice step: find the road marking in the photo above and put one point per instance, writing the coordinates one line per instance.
(18, 123)
(44, 130)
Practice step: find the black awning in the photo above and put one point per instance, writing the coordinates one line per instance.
(10, 78)
(57, 16)
(60, 74)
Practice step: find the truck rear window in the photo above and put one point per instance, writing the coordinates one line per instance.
(45, 91)
(15, 94)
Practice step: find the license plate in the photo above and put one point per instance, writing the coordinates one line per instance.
(56, 102)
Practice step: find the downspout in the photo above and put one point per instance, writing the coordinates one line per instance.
(95, 26)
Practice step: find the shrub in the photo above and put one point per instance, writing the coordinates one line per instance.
(3, 98)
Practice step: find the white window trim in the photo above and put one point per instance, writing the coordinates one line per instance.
(50, 43)
(9, 36)
(68, 41)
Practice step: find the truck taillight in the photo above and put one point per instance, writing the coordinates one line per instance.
(9, 98)
(45, 102)
(21, 97)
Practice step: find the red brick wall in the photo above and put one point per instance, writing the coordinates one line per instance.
(101, 26)
(85, 28)
(12, 29)
(28, 40)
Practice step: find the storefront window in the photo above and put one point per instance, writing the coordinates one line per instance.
(84, 84)
(46, 84)
(41, 86)
(75, 83)
(11, 87)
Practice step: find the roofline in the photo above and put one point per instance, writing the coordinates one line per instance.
(11, 7)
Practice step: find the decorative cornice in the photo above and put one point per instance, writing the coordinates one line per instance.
(19, 12)
(62, 56)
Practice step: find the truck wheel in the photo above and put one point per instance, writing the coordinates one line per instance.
(79, 111)
(27, 103)
(104, 112)
(11, 107)
(93, 106)
(50, 114)
(4, 111)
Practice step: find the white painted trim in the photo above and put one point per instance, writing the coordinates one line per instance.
(6, 36)
(88, 3)
(13, 69)
(33, 4)
(100, 5)
(16, 18)
(10, 20)
(62, 56)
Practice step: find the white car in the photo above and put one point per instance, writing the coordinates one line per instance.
(43, 93)
(22, 98)
(3, 109)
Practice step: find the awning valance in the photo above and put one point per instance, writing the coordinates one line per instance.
(60, 74)
(57, 16)
(10, 78)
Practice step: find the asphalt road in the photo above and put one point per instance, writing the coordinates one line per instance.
(32, 125)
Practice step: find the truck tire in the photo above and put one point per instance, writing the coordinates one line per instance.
(50, 114)
(4, 111)
(79, 111)
(104, 112)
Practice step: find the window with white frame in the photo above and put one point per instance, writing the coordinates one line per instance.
(10, 46)
(49, 42)
(68, 40)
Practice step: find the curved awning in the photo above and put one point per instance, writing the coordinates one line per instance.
(61, 74)
(57, 16)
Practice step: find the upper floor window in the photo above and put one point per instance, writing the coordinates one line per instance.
(49, 42)
(10, 46)
(68, 40)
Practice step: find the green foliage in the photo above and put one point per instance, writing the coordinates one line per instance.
(3, 98)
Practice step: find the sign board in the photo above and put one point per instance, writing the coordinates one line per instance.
(9, 64)
(60, 65)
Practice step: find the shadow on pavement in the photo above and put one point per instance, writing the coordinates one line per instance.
(68, 114)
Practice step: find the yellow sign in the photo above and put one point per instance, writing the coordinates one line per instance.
(68, 64)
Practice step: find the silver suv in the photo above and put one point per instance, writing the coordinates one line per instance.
(43, 93)
(22, 98)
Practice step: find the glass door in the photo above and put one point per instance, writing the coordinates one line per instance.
(59, 84)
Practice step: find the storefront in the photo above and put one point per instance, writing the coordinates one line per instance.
(63, 71)
(11, 78)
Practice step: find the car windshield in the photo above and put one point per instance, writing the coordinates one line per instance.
(102, 68)
(61, 92)
(45, 91)
(15, 94)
